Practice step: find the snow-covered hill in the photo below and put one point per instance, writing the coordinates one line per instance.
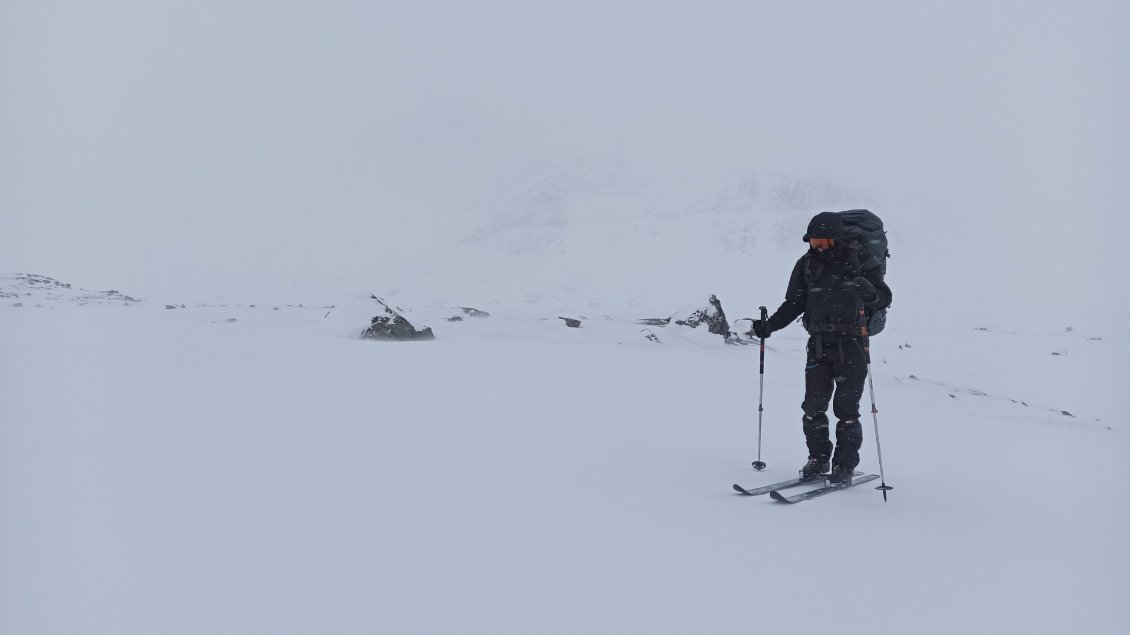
(24, 288)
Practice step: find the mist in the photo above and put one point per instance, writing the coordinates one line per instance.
(143, 140)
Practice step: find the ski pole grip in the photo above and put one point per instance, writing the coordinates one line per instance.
(764, 313)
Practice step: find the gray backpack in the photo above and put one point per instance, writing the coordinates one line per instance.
(865, 228)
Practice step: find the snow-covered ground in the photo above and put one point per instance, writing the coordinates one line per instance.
(228, 468)
(197, 200)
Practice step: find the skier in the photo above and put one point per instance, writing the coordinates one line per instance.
(833, 286)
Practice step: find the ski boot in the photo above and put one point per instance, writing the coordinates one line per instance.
(815, 467)
(841, 475)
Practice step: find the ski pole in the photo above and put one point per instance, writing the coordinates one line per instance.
(875, 417)
(759, 464)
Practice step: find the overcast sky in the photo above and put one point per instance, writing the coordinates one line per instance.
(159, 134)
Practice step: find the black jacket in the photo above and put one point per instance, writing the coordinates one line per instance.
(822, 288)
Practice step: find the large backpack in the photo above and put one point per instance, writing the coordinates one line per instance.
(865, 228)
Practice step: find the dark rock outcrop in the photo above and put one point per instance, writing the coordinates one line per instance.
(390, 324)
(715, 320)
(713, 317)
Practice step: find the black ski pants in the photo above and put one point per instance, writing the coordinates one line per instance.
(835, 372)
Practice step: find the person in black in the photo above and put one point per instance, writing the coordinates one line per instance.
(833, 286)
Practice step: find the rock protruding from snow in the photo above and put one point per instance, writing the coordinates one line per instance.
(468, 312)
(390, 324)
(714, 318)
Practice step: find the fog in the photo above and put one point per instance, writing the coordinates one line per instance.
(226, 456)
(171, 139)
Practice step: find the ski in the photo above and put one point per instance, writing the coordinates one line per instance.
(776, 486)
(820, 491)
(792, 482)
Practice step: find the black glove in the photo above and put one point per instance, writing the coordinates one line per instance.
(761, 329)
(864, 289)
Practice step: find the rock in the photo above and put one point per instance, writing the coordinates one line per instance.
(230, 320)
(475, 313)
(454, 318)
(390, 324)
(170, 306)
(715, 320)
(571, 323)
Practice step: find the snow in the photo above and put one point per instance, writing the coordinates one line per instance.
(244, 463)
(166, 470)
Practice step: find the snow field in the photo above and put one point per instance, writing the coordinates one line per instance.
(170, 471)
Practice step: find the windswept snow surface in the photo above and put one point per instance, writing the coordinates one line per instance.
(172, 471)
(242, 464)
